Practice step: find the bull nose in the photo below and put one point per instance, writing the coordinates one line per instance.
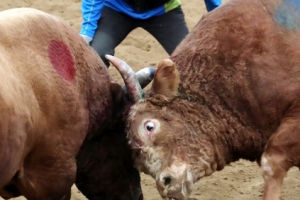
(165, 180)
(171, 187)
(174, 182)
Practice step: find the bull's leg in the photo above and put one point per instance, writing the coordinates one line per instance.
(47, 182)
(281, 153)
(48, 172)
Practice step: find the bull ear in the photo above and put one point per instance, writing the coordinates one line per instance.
(166, 80)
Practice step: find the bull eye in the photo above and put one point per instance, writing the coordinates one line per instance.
(149, 126)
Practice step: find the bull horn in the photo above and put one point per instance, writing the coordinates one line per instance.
(145, 76)
(135, 91)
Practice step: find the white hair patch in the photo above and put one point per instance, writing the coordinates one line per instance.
(267, 170)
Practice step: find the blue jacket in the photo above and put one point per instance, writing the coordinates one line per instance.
(91, 12)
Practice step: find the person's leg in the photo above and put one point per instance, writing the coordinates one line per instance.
(113, 27)
(212, 4)
(168, 29)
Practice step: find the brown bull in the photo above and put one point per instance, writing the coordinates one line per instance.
(56, 96)
(230, 90)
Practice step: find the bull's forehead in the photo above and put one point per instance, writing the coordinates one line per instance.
(136, 108)
(143, 108)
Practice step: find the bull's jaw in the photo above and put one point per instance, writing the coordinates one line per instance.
(150, 161)
(182, 176)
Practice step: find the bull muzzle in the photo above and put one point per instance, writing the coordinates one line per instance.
(175, 182)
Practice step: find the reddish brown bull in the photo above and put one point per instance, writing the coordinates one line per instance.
(57, 101)
(230, 90)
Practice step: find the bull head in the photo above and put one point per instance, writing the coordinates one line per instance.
(158, 150)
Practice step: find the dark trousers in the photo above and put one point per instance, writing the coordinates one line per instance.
(168, 29)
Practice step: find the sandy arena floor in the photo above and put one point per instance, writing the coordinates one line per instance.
(239, 181)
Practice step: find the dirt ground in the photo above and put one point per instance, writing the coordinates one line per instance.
(239, 181)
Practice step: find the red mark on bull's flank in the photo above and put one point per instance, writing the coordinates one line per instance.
(61, 59)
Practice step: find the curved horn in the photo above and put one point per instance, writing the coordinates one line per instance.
(135, 91)
(145, 76)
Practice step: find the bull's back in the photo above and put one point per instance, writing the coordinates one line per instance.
(248, 53)
(37, 55)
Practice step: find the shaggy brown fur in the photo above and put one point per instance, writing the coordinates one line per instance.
(49, 106)
(238, 97)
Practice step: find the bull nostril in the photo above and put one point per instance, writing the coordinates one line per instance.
(167, 181)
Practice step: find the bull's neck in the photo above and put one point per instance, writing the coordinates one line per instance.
(230, 136)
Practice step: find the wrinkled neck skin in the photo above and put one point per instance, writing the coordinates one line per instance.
(216, 136)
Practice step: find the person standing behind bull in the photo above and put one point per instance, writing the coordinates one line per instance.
(212, 4)
(106, 23)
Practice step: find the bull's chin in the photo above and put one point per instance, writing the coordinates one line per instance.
(177, 192)
(175, 197)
